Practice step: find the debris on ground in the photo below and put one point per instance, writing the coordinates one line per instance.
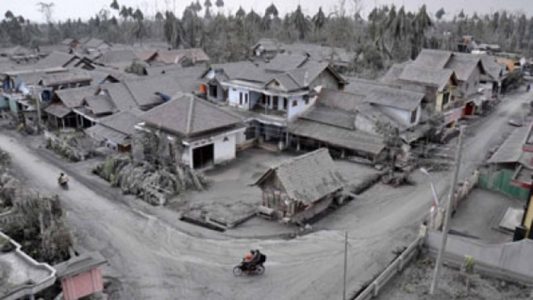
(154, 184)
(415, 281)
(35, 221)
(73, 146)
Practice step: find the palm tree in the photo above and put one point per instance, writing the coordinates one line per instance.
(300, 22)
(319, 20)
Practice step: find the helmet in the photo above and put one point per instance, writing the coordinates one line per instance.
(248, 256)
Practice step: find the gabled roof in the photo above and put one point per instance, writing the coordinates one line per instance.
(268, 44)
(464, 64)
(100, 104)
(94, 43)
(55, 59)
(58, 110)
(340, 99)
(309, 177)
(397, 98)
(114, 56)
(437, 78)
(493, 68)
(385, 94)
(432, 58)
(65, 78)
(187, 115)
(331, 116)
(355, 140)
(79, 264)
(285, 62)
(120, 96)
(73, 97)
(178, 55)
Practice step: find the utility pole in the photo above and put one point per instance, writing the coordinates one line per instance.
(438, 263)
(345, 263)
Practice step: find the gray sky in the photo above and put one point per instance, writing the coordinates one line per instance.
(86, 8)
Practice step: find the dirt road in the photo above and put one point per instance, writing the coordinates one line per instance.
(156, 261)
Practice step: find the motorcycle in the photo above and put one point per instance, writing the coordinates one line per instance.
(248, 269)
(254, 267)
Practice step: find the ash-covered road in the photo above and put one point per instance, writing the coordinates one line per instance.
(153, 260)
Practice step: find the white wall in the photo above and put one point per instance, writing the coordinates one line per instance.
(233, 98)
(295, 111)
(225, 150)
(401, 115)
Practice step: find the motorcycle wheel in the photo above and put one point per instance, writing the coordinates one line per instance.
(237, 271)
(260, 269)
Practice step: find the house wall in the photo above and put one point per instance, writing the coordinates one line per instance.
(223, 150)
(471, 86)
(325, 80)
(4, 102)
(13, 107)
(294, 111)
(234, 97)
(82, 285)
(402, 115)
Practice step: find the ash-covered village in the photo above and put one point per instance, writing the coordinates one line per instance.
(348, 149)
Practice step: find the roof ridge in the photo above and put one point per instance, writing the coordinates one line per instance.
(300, 157)
(190, 113)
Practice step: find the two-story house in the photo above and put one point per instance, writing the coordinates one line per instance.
(270, 95)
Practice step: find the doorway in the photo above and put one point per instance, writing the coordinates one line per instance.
(203, 156)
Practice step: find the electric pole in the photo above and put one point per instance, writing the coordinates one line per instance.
(438, 263)
(345, 263)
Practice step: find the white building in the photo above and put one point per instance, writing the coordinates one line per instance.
(188, 130)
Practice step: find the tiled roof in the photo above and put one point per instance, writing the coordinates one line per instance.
(187, 115)
(355, 140)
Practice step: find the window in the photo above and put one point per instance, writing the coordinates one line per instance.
(268, 100)
(285, 103)
(240, 98)
(246, 98)
(306, 99)
(413, 116)
(294, 103)
(445, 98)
(225, 139)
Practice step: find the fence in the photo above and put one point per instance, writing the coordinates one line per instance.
(395, 267)
(501, 181)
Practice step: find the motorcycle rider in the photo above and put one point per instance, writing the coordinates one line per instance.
(63, 179)
(248, 259)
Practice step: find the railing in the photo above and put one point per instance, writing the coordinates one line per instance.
(395, 267)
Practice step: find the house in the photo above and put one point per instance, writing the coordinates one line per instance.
(81, 276)
(183, 57)
(267, 48)
(496, 73)
(510, 168)
(72, 43)
(188, 130)
(339, 58)
(300, 188)
(93, 45)
(116, 131)
(402, 106)
(270, 95)
(438, 85)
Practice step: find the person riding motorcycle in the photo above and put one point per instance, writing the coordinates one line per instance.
(63, 179)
